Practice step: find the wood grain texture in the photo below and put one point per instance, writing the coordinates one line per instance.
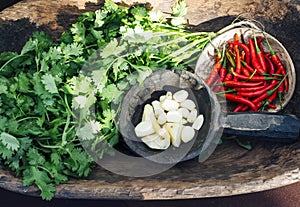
(230, 170)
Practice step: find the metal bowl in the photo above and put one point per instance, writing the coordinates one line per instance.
(206, 60)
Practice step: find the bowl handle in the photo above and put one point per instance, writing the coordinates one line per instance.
(263, 126)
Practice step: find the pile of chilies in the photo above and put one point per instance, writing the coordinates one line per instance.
(246, 74)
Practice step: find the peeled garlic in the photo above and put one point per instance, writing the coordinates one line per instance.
(170, 105)
(162, 98)
(184, 112)
(162, 118)
(150, 138)
(148, 113)
(183, 121)
(187, 134)
(169, 95)
(163, 142)
(157, 108)
(144, 128)
(188, 104)
(153, 144)
(192, 116)
(180, 96)
(174, 116)
(163, 132)
(198, 122)
(174, 130)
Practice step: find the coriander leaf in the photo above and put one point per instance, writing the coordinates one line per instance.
(179, 9)
(99, 77)
(3, 121)
(82, 162)
(5, 152)
(23, 83)
(88, 131)
(9, 141)
(33, 175)
(29, 46)
(178, 21)
(111, 93)
(100, 15)
(34, 157)
(80, 85)
(55, 158)
(112, 48)
(73, 49)
(49, 83)
(78, 30)
(79, 102)
(110, 6)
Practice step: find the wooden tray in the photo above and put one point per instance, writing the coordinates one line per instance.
(230, 170)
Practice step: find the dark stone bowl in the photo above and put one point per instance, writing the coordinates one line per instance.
(158, 83)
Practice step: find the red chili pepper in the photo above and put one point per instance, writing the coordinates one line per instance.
(280, 67)
(245, 49)
(230, 59)
(241, 84)
(246, 72)
(254, 58)
(272, 97)
(238, 64)
(222, 75)
(272, 106)
(280, 94)
(240, 99)
(256, 93)
(213, 75)
(260, 56)
(270, 64)
(259, 42)
(248, 67)
(286, 84)
(254, 78)
(239, 108)
(249, 89)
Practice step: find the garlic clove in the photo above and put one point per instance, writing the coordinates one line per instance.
(187, 134)
(188, 104)
(163, 142)
(180, 96)
(150, 138)
(184, 112)
(192, 116)
(174, 130)
(198, 122)
(148, 113)
(144, 128)
(157, 108)
(162, 119)
(170, 105)
(174, 116)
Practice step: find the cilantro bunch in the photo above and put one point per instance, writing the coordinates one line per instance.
(48, 91)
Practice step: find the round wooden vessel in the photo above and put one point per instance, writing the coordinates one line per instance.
(231, 169)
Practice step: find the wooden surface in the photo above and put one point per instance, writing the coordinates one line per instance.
(230, 170)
